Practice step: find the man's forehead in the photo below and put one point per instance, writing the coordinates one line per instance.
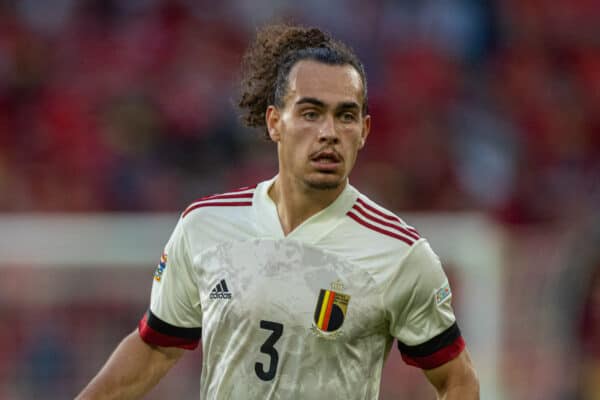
(329, 83)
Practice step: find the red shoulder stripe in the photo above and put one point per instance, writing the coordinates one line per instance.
(216, 204)
(227, 196)
(382, 222)
(386, 216)
(231, 193)
(378, 229)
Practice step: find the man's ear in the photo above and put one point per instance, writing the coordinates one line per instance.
(365, 131)
(272, 118)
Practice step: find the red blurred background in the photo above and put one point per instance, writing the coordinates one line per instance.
(483, 106)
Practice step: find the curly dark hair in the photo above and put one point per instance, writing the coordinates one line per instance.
(269, 59)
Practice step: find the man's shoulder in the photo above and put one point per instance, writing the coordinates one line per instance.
(372, 218)
(230, 202)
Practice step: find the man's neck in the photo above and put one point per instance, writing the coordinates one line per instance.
(296, 203)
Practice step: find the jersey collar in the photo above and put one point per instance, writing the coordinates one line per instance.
(311, 230)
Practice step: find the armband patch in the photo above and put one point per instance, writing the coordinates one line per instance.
(443, 294)
(162, 265)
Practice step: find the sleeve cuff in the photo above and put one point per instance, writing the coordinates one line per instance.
(435, 352)
(157, 332)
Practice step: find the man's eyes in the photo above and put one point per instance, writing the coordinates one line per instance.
(310, 115)
(348, 117)
(313, 115)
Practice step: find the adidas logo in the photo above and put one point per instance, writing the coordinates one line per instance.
(220, 291)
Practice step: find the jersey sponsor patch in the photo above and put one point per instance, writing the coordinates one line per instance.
(160, 268)
(330, 310)
(221, 291)
(443, 294)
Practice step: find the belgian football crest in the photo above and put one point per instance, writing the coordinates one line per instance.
(330, 310)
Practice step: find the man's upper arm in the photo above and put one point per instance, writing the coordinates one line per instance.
(169, 353)
(455, 378)
(174, 318)
(421, 316)
(132, 370)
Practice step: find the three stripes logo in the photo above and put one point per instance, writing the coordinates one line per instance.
(221, 291)
(330, 310)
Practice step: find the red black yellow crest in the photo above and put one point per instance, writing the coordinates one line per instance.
(330, 310)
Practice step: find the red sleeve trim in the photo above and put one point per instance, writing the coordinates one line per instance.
(438, 358)
(150, 325)
(436, 351)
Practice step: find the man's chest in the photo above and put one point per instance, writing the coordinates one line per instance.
(306, 289)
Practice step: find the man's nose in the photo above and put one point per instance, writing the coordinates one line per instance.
(327, 131)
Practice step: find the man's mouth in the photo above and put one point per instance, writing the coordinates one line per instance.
(326, 156)
(326, 160)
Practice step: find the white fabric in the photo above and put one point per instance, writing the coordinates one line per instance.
(392, 287)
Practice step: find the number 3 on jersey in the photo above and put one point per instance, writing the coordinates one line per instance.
(269, 349)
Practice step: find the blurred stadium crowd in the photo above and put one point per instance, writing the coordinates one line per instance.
(482, 105)
(129, 105)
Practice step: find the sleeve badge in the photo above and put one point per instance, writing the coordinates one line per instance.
(442, 294)
(162, 265)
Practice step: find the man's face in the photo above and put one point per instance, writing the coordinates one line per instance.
(321, 126)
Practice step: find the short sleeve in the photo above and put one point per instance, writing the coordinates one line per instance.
(174, 318)
(418, 302)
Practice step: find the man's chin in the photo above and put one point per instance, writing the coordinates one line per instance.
(324, 184)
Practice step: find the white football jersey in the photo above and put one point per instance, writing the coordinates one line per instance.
(310, 315)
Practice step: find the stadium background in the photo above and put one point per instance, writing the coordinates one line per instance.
(486, 132)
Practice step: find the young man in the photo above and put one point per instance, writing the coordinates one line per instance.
(299, 286)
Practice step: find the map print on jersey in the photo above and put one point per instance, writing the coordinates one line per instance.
(280, 281)
(307, 315)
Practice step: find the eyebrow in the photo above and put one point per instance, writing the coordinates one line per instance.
(311, 100)
(347, 105)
